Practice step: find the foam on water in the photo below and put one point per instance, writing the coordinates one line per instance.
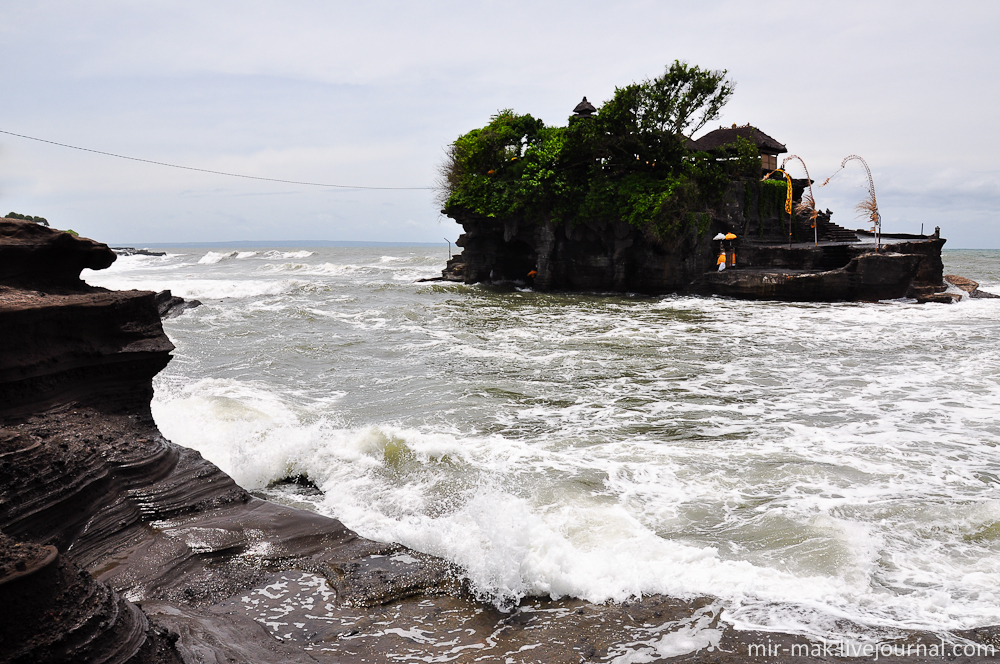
(213, 257)
(821, 469)
(285, 255)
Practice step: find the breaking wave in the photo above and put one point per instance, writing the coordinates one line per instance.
(821, 469)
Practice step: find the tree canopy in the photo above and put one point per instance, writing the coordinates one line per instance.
(684, 99)
(628, 161)
(27, 217)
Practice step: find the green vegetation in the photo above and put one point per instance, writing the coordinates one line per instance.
(27, 217)
(628, 161)
(773, 194)
(770, 195)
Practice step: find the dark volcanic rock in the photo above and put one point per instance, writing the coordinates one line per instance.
(787, 259)
(868, 276)
(52, 611)
(132, 251)
(83, 346)
(170, 305)
(969, 286)
(598, 256)
(32, 252)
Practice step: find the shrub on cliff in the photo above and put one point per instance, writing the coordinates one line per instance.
(626, 162)
(27, 217)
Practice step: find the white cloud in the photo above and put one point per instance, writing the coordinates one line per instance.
(369, 93)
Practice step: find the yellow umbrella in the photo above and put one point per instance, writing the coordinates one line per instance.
(730, 236)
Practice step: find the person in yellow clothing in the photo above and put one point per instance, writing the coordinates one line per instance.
(731, 248)
(722, 260)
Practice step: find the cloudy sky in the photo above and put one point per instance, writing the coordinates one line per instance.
(370, 94)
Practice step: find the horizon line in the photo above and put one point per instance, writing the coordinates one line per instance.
(277, 243)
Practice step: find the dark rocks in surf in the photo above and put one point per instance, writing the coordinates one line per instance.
(85, 475)
(969, 286)
(132, 251)
(776, 257)
(170, 305)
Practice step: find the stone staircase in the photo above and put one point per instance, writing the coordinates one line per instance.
(828, 231)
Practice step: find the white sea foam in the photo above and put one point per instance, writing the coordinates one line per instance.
(214, 257)
(285, 255)
(812, 466)
(203, 289)
(570, 544)
(670, 639)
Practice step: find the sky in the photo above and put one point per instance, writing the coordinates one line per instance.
(370, 94)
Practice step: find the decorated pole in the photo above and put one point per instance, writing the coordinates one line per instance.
(868, 206)
(788, 199)
(808, 204)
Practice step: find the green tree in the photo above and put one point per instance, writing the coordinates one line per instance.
(628, 162)
(684, 99)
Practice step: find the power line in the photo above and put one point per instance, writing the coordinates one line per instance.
(205, 170)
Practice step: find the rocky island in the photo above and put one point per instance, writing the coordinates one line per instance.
(621, 200)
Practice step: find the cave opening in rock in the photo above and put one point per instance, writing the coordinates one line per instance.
(514, 261)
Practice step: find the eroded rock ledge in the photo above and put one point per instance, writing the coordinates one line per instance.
(119, 546)
(777, 258)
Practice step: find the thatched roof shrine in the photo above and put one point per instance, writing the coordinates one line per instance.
(584, 109)
(724, 136)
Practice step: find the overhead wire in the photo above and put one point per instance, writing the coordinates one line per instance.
(206, 170)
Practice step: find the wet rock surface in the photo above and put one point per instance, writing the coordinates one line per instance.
(969, 286)
(52, 611)
(778, 258)
(170, 305)
(132, 251)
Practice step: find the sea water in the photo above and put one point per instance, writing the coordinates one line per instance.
(824, 469)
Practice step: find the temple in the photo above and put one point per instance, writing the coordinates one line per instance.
(721, 137)
(776, 254)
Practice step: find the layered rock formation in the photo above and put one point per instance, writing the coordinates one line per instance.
(170, 305)
(778, 258)
(832, 272)
(119, 511)
(969, 286)
(592, 256)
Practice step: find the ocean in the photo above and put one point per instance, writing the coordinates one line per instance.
(829, 470)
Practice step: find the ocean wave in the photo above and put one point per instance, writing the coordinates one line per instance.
(206, 289)
(213, 257)
(820, 468)
(273, 254)
(136, 263)
(333, 269)
(475, 500)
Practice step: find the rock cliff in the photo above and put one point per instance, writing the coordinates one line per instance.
(778, 257)
(97, 508)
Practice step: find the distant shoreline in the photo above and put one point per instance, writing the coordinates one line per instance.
(257, 244)
(276, 243)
